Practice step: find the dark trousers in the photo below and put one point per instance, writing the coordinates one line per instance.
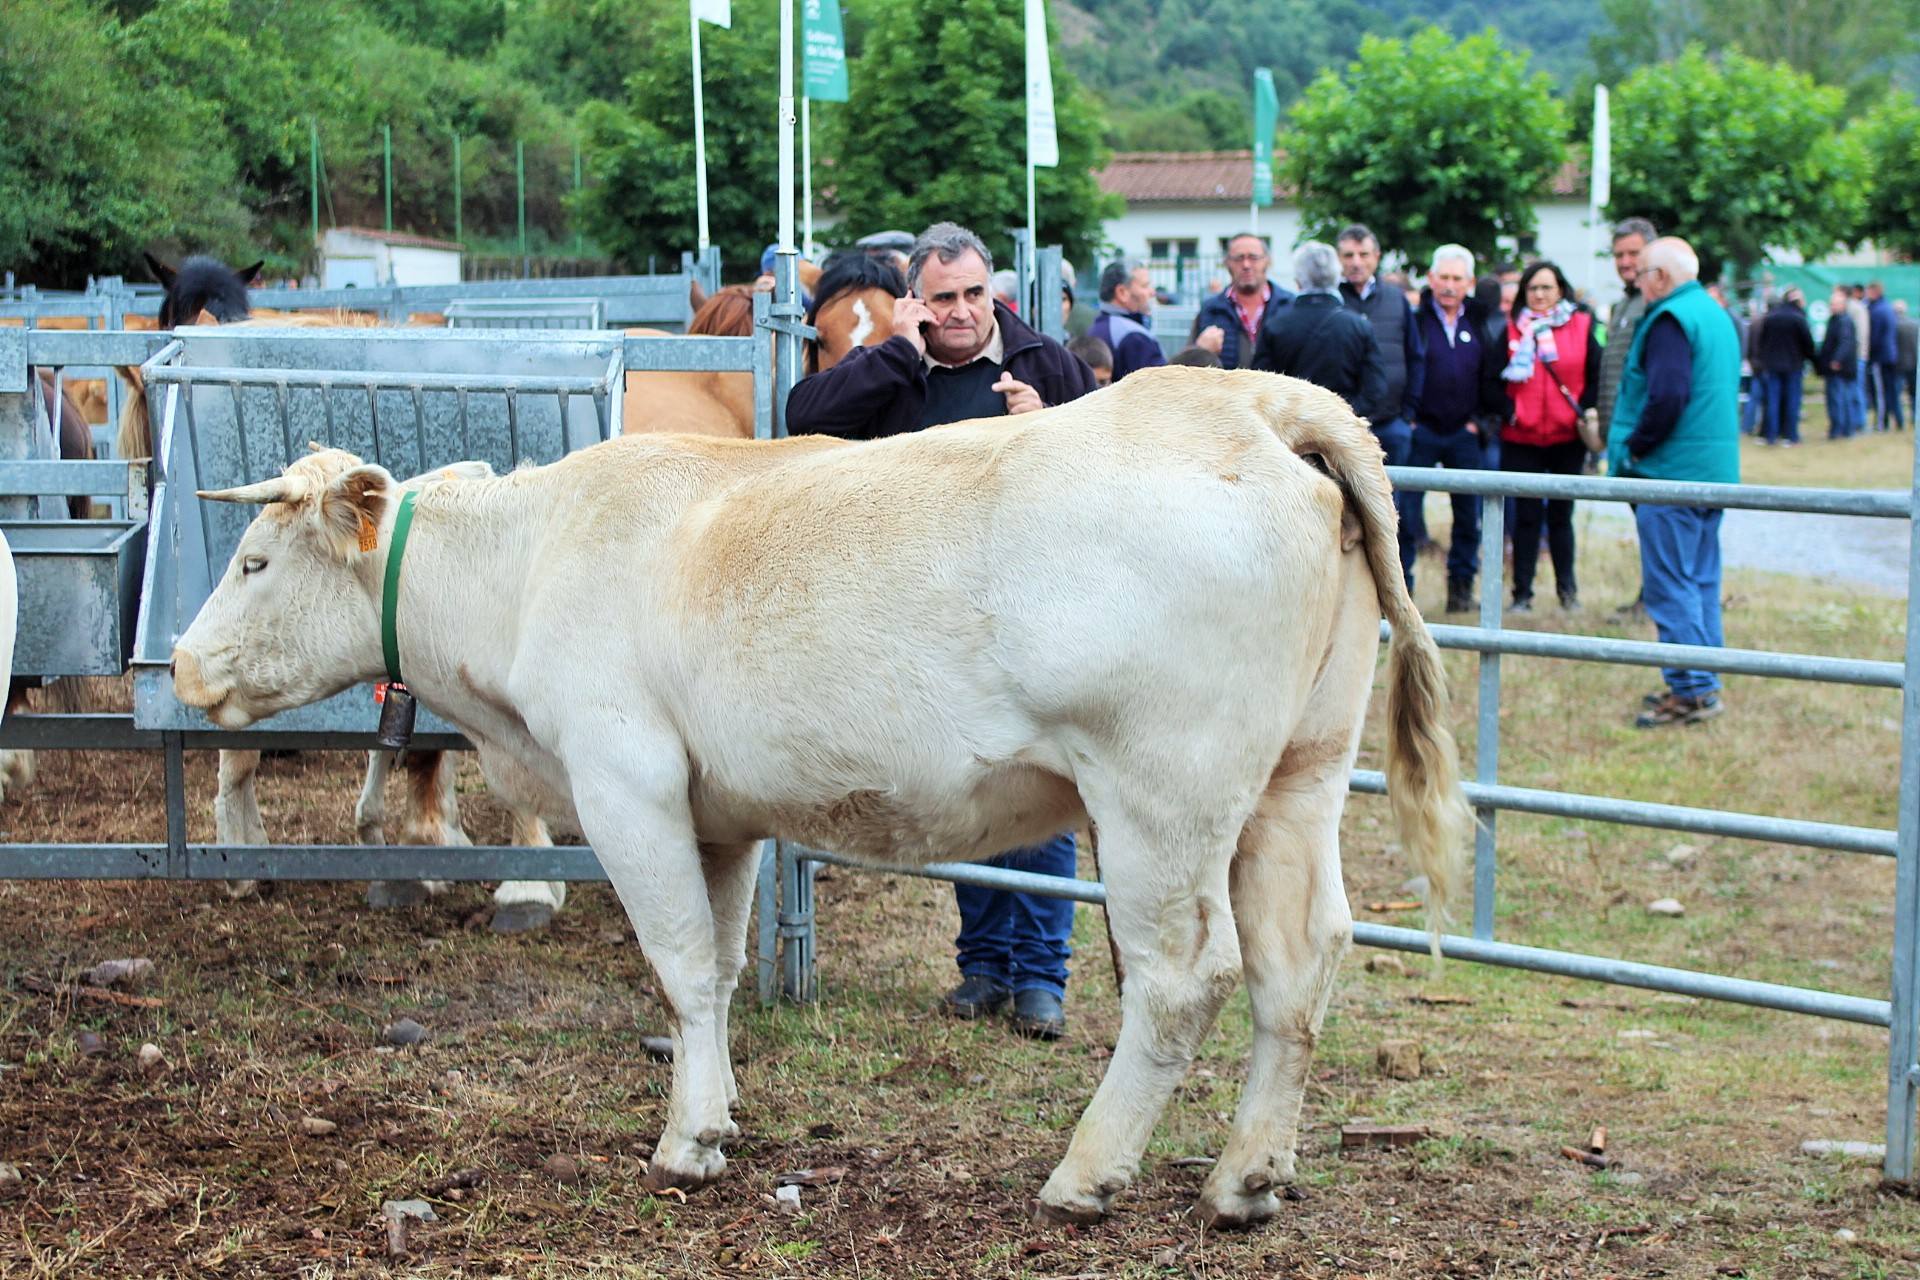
(1458, 450)
(1562, 459)
(1782, 392)
(1019, 938)
(1886, 389)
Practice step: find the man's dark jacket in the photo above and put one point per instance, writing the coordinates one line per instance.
(880, 390)
(1457, 388)
(1318, 339)
(1219, 308)
(1401, 355)
(1785, 343)
(1881, 336)
(1840, 346)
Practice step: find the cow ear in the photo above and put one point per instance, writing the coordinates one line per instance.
(352, 508)
(161, 271)
(247, 274)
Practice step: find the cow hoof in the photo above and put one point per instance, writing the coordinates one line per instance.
(519, 917)
(238, 890)
(1235, 1212)
(1082, 1214)
(390, 895)
(692, 1168)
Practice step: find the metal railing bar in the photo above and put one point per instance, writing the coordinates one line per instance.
(1891, 503)
(1669, 817)
(1646, 653)
(378, 381)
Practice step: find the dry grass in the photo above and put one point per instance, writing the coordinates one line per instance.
(1875, 460)
(272, 1012)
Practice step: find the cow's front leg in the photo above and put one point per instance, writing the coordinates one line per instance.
(632, 802)
(236, 810)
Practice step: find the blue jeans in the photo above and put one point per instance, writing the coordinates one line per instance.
(1019, 938)
(1840, 420)
(1458, 450)
(1860, 390)
(1680, 567)
(1886, 387)
(1782, 391)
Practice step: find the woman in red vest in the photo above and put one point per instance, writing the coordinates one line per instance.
(1552, 377)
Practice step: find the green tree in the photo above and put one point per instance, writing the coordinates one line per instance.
(1426, 140)
(642, 201)
(1889, 138)
(936, 129)
(94, 165)
(1855, 44)
(1737, 156)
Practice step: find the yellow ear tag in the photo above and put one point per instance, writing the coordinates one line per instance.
(369, 536)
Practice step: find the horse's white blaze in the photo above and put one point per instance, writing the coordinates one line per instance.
(865, 327)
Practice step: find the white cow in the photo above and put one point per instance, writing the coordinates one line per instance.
(1155, 608)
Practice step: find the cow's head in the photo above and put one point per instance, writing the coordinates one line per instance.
(296, 616)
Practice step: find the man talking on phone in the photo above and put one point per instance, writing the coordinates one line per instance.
(956, 354)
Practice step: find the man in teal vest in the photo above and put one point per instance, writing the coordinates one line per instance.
(1678, 418)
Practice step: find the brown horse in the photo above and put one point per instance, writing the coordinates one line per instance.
(852, 307)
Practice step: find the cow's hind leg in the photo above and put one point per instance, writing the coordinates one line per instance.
(1294, 924)
(236, 811)
(731, 872)
(1169, 909)
(633, 807)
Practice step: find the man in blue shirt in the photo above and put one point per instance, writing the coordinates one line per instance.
(1883, 356)
(1126, 303)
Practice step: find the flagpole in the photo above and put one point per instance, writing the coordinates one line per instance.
(806, 175)
(699, 132)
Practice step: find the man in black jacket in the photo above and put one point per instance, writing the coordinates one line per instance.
(1386, 309)
(1318, 339)
(957, 354)
(954, 354)
(1839, 365)
(1780, 354)
(1229, 321)
(1457, 412)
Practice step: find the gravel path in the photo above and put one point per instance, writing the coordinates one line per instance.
(1856, 551)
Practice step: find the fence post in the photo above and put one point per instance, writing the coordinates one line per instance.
(579, 241)
(520, 188)
(313, 174)
(386, 146)
(457, 226)
(1903, 1048)
(1486, 769)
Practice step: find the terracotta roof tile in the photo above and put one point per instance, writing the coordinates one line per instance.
(400, 239)
(1215, 177)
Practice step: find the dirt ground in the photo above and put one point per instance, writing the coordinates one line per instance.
(525, 1117)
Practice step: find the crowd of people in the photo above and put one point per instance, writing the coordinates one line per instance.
(1866, 359)
(1507, 371)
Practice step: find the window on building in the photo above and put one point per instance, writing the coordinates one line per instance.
(1173, 250)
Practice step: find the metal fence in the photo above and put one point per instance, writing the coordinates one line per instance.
(269, 390)
(788, 948)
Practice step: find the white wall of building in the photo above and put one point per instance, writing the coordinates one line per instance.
(414, 265)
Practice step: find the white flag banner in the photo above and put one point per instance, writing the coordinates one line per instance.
(718, 12)
(1600, 182)
(1043, 145)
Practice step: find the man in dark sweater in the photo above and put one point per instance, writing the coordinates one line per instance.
(1229, 321)
(1456, 413)
(1781, 350)
(1839, 365)
(1124, 322)
(1318, 339)
(1386, 309)
(956, 354)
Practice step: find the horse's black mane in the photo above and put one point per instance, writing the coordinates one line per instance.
(858, 270)
(201, 284)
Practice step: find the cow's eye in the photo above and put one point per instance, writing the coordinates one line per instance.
(252, 565)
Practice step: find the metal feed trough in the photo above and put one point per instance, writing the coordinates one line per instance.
(512, 313)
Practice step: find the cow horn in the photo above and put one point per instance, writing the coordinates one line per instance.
(278, 489)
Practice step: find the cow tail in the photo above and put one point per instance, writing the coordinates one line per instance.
(1431, 817)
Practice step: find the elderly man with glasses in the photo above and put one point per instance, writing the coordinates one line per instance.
(1229, 321)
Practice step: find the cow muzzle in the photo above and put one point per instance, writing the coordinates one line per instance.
(193, 689)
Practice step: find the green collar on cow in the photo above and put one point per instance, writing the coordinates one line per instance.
(390, 595)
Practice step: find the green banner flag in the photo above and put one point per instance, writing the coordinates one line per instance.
(825, 50)
(1266, 118)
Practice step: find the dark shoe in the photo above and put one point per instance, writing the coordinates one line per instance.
(1459, 595)
(1521, 604)
(1570, 601)
(1675, 709)
(1038, 1015)
(1654, 699)
(977, 997)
